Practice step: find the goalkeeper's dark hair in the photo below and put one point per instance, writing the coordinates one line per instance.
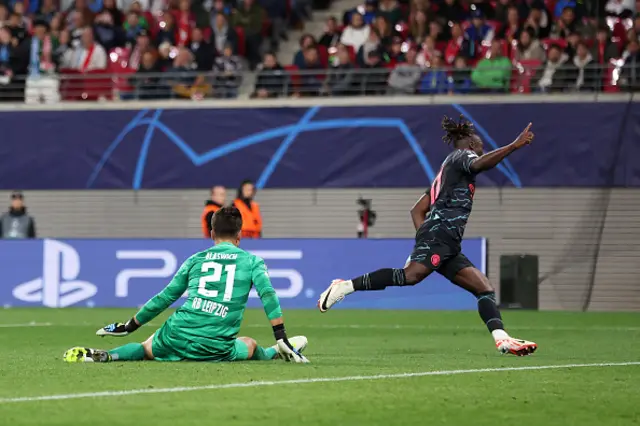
(227, 222)
(456, 131)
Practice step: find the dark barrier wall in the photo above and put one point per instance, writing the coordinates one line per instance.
(577, 144)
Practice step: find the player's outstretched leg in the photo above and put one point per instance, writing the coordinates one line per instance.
(474, 281)
(411, 274)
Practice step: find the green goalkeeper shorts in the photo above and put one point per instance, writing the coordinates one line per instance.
(169, 345)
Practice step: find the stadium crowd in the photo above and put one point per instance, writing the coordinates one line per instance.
(195, 48)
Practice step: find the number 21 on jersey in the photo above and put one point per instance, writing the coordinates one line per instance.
(215, 277)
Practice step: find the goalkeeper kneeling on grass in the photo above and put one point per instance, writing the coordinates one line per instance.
(206, 326)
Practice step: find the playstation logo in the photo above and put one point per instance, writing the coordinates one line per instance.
(58, 287)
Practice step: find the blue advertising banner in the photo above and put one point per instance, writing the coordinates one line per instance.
(126, 273)
(577, 144)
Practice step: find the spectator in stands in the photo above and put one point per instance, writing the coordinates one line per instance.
(636, 24)
(572, 44)
(142, 44)
(436, 32)
(17, 27)
(110, 6)
(228, 68)
(459, 45)
(47, 10)
(132, 27)
(89, 56)
(147, 82)
(107, 34)
(78, 15)
(370, 12)
(219, 7)
(341, 78)
(276, 10)
(249, 209)
(405, 76)
(561, 5)
(217, 200)
(428, 52)
(4, 15)
(585, 75)
(633, 35)
(419, 26)
(501, 13)
(16, 223)
(604, 49)
(184, 84)
(185, 22)
(165, 60)
(390, 10)
(19, 9)
(356, 33)
(374, 76)
(332, 34)
(567, 24)
(55, 26)
(64, 46)
(589, 28)
(552, 76)
(630, 73)
(167, 30)
(202, 50)
(511, 29)
(311, 82)
(306, 41)
(41, 85)
(224, 34)
(479, 31)
(492, 74)
(249, 17)
(620, 8)
(460, 78)
(452, 11)
(385, 31)
(539, 20)
(395, 53)
(529, 48)
(371, 44)
(435, 81)
(9, 67)
(272, 80)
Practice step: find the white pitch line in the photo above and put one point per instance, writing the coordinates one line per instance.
(304, 381)
(27, 324)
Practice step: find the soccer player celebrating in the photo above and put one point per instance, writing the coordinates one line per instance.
(206, 326)
(440, 217)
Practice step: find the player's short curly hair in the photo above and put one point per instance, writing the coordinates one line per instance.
(227, 222)
(456, 130)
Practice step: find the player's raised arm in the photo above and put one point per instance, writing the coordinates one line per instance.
(271, 304)
(491, 159)
(154, 307)
(420, 209)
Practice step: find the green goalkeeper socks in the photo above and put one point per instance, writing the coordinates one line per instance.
(128, 352)
(262, 354)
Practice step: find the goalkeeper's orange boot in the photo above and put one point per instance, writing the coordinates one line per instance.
(516, 347)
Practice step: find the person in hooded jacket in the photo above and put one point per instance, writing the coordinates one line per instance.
(16, 223)
(249, 209)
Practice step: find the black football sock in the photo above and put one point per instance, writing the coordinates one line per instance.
(488, 310)
(380, 279)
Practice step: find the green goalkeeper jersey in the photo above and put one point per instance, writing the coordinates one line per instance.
(217, 282)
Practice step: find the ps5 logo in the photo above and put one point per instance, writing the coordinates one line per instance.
(58, 286)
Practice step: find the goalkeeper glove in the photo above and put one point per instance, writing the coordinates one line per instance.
(119, 329)
(285, 349)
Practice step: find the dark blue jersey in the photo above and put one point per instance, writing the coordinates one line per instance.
(452, 195)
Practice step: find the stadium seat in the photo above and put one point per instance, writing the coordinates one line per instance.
(294, 73)
(559, 41)
(610, 83)
(323, 55)
(119, 66)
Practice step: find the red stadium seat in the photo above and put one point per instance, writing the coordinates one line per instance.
(559, 41)
(352, 54)
(323, 54)
(610, 83)
(294, 73)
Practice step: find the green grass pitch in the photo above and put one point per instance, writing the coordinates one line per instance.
(346, 348)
